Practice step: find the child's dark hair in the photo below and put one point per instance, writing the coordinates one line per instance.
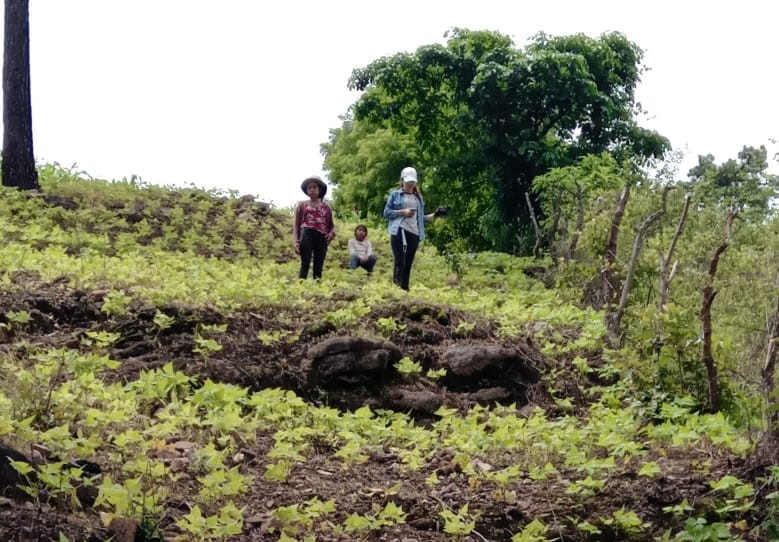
(363, 226)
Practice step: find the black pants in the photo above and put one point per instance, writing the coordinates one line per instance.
(312, 243)
(354, 262)
(404, 256)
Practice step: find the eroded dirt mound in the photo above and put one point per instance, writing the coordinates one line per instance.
(348, 369)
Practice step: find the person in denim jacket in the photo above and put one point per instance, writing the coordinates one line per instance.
(405, 210)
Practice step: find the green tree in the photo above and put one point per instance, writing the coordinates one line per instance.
(18, 167)
(743, 184)
(486, 118)
(364, 163)
(565, 192)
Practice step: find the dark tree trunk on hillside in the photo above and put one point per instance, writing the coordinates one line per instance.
(18, 167)
(667, 275)
(614, 319)
(608, 275)
(769, 368)
(536, 227)
(708, 299)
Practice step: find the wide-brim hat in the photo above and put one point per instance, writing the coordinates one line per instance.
(318, 180)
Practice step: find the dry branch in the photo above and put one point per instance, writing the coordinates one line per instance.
(768, 372)
(708, 299)
(579, 222)
(537, 246)
(610, 257)
(614, 320)
(667, 276)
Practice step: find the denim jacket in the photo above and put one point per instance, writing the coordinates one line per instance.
(395, 204)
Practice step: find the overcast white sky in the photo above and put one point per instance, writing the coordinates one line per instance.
(239, 94)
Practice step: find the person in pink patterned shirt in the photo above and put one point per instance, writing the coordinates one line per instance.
(314, 227)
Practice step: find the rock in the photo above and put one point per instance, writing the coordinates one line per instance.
(489, 395)
(123, 529)
(59, 201)
(351, 361)
(10, 478)
(415, 401)
(473, 360)
(491, 373)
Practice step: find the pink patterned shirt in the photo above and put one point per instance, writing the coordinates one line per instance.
(319, 218)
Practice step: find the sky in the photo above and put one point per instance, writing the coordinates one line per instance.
(240, 94)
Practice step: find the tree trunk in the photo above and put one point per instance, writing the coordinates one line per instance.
(708, 299)
(608, 287)
(614, 320)
(18, 168)
(667, 276)
(579, 222)
(768, 375)
(536, 227)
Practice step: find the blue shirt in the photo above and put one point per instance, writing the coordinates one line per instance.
(395, 204)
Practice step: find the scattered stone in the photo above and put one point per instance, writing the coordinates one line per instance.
(482, 366)
(352, 361)
(489, 395)
(123, 529)
(10, 478)
(415, 401)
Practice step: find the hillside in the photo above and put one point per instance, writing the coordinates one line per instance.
(169, 378)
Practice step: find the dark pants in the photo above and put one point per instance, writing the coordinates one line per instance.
(354, 262)
(404, 256)
(312, 243)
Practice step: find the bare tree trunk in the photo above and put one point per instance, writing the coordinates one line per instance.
(579, 222)
(667, 276)
(768, 374)
(536, 228)
(18, 167)
(708, 299)
(552, 236)
(614, 320)
(608, 287)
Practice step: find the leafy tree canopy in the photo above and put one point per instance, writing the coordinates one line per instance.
(481, 119)
(743, 184)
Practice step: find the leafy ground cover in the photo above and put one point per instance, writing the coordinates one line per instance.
(166, 377)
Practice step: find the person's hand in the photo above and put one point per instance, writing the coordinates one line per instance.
(330, 236)
(441, 211)
(408, 212)
(297, 247)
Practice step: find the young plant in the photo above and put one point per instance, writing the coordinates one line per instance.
(389, 326)
(100, 339)
(460, 523)
(535, 531)
(162, 322)
(273, 337)
(228, 522)
(16, 320)
(699, 530)
(293, 519)
(627, 522)
(206, 346)
(116, 303)
(391, 515)
(406, 366)
(436, 374)
(464, 329)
